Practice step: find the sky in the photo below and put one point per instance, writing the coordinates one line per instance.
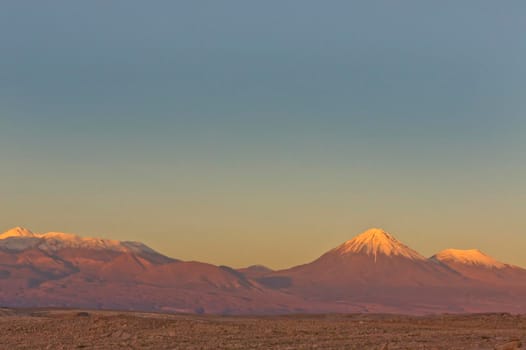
(240, 133)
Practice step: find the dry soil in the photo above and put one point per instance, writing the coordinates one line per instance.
(84, 329)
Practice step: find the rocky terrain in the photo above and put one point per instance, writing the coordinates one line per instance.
(86, 329)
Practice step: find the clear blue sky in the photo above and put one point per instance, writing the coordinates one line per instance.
(243, 132)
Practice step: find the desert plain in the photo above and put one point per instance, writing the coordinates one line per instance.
(88, 329)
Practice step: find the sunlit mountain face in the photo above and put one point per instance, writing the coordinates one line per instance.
(373, 272)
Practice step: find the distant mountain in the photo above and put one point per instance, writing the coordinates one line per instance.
(379, 273)
(59, 269)
(373, 258)
(373, 272)
(21, 239)
(255, 271)
(479, 266)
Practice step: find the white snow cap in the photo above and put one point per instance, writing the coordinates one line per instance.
(468, 257)
(20, 238)
(376, 241)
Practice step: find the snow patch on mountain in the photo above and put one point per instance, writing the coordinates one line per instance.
(468, 257)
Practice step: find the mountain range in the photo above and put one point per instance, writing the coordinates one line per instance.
(373, 272)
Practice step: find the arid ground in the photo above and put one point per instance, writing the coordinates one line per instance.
(84, 329)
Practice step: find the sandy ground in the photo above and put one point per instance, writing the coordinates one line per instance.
(80, 329)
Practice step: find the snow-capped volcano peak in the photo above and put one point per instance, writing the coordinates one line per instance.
(376, 242)
(17, 232)
(467, 257)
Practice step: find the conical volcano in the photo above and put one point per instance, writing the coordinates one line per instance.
(373, 258)
(372, 269)
(376, 242)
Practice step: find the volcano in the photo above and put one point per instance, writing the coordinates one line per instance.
(378, 273)
(477, 265)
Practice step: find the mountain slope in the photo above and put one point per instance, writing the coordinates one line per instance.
(255, 271)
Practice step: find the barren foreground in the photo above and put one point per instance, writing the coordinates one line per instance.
(76, 329)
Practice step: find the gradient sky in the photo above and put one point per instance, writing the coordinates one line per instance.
(240, 132)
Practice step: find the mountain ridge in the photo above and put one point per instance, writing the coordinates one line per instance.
(60, 240)
(372, 272)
